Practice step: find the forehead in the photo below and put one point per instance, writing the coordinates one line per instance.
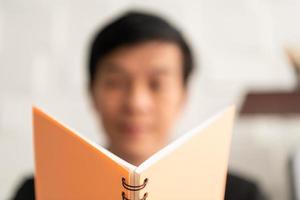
(144, 58)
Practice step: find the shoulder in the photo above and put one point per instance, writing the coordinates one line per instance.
(238, 188)
(25, 189)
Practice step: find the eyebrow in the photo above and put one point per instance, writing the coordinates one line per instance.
(159, 71)
(112, 68)
(116, 69)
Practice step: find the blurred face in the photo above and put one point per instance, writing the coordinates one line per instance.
(138, 93)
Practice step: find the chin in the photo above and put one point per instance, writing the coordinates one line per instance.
(139, 150)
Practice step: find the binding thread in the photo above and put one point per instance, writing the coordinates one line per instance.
(134, 188)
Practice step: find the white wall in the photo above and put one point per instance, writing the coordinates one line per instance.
(42, 61)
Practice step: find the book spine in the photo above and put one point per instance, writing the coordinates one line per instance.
(133, 189)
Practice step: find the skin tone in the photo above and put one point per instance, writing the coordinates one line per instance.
(138, 94)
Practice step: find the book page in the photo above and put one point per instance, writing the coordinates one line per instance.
(68, 167)
(193, 169)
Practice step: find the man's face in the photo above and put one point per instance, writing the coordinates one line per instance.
(138, 93)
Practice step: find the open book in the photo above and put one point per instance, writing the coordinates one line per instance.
(70, 167)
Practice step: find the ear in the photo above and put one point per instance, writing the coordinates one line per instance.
(183, 100)
(92, 97)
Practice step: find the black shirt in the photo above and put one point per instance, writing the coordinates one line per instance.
(237, 188)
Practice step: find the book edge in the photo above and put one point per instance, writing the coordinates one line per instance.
(179, 141)
(112, 156)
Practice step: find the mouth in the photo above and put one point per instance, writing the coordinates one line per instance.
(133, 130)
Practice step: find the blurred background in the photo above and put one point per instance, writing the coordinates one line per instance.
(247, 51)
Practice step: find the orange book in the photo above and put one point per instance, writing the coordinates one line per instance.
(70, 167)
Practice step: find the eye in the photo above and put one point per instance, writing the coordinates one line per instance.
(113, 82)
(155, 85)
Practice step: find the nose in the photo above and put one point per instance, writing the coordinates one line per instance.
(138, 99)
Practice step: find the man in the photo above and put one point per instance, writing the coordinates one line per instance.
(139, 67)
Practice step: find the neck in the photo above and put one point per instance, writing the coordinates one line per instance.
(132, 159)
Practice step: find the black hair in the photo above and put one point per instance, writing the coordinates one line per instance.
(135, 27)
